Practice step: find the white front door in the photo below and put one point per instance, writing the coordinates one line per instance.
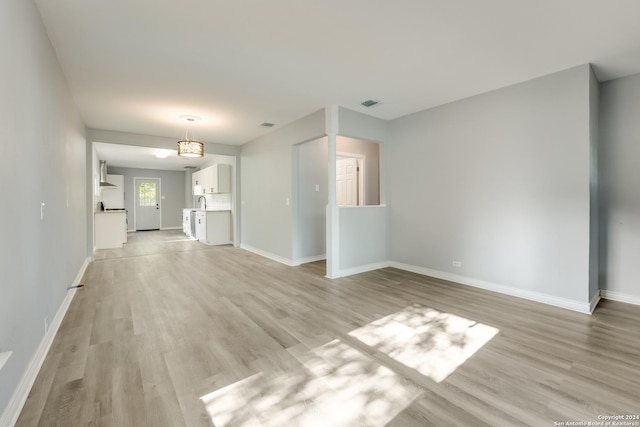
(147, 207)
(347, 182)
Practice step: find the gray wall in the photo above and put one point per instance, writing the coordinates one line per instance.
(363, 238)
(43, 160)
(594, 190)
(499, 181)
(172, 187)
(125, 138)
(266, 183)
(359, 125)
(311, 204)
(620, 184)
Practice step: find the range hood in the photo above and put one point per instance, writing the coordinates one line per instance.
(103, 175)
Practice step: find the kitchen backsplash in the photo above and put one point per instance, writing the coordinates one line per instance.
(219, 201)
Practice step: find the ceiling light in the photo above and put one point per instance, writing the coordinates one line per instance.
(188, 147)
(267, 125)
(162, 154)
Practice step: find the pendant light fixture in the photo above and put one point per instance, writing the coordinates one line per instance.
(188, 147)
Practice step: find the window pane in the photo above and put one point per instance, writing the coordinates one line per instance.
(147, 194)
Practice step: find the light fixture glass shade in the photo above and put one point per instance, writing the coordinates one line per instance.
(188, 148)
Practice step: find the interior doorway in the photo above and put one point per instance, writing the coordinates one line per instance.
(147, 203)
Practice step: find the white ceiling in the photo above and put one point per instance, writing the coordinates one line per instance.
(137, 65)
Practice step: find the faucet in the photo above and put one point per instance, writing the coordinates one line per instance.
(205, 201)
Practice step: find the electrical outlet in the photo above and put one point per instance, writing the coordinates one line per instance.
(46, 325)
(456, 263)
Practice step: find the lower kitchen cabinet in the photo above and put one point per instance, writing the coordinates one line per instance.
(110, 229)
(213, 227)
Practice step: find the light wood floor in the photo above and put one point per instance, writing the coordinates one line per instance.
(169, 332)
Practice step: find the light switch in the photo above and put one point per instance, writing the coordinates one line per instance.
(42, 211)
(317, 187)
(286, 201)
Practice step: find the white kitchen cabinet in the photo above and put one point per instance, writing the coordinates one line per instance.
(196, 183)
(217, 179)
(212, 180)
(110, 229)
(213, 227)
(113, 197)
(186, 222)
(201, 226)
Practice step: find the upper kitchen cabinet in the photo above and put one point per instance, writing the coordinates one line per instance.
(212, 180)
(113, 197)
(196, 183)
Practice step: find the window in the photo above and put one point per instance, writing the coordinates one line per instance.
(147, 194)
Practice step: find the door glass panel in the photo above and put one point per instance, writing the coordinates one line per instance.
(147, 194)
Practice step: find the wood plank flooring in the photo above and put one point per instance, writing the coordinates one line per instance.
(169, 332)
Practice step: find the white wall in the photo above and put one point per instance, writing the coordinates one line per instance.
(266, 185)
(43, 160)
(620, 184)
(500, 182)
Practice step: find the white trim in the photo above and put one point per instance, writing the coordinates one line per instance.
(274, 257)
(309, 259)
(507, 290)
(170, 228)
(344, 272)
(617, 296)
(594, 301)
(20, 394)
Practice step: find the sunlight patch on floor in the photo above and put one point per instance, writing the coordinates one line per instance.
(338, 386)
(431, 342)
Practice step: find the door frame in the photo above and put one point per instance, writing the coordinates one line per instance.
(135, 200)
(361, 160)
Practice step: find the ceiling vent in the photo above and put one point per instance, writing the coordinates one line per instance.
(267, 125)
(369, 103)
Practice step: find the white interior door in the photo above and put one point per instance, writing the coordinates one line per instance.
(347, 182)
(147, 207)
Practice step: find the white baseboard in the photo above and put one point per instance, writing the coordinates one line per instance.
(507, 290)
(344, 272)
(170, 228)
(274, 257)
(617, 296)
(19, 397)
(309, 259)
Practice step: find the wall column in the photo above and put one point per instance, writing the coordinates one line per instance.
(333, 236)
